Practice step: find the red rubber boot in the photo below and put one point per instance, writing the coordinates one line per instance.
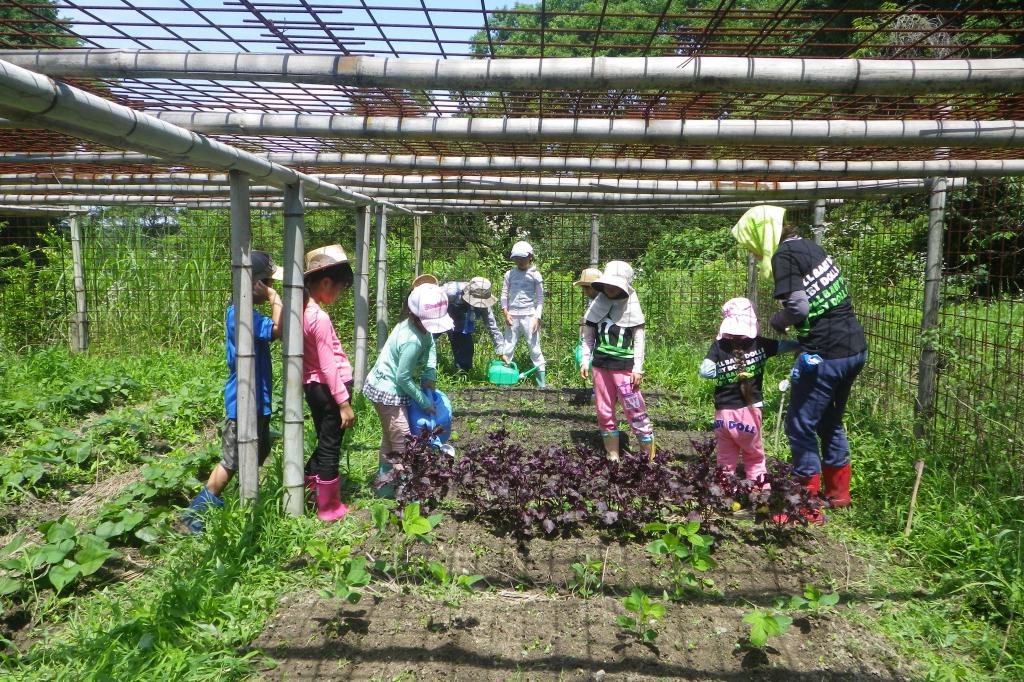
(329, 503)
(837, 485)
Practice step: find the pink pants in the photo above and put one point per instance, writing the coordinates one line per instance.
(614, 384)
(738, 432)
(394, 424)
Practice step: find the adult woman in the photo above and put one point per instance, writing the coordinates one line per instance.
(833, 349)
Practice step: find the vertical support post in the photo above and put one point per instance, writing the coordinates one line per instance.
(245, 357)
(80, 343)
(417, 244)
(361, 294)
(927, 375)
(381, 217)
(819, 221)
(595, 240)
(752, 278)
(294, 247)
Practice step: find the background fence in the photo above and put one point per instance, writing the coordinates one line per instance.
(161, 277)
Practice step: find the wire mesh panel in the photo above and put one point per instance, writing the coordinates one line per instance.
(36, 291)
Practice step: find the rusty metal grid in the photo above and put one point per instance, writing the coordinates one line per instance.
(414, 28)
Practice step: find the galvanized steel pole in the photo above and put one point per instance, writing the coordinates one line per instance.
(294, 248)
(361, 294)
(595, 240)
(247, 405)
(81, 321)
(381, 239)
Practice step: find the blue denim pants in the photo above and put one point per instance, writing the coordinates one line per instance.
(819, 397)
(462, 349)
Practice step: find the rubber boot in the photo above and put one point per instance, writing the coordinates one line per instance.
(540, 379)
(311, 489)
(647, 449)
(837, 485)
(329, 503)
(192, 517)
(385, 492)
(611, 445)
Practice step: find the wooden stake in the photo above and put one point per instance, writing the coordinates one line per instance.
(919, 468)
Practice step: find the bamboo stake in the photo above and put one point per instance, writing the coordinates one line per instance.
(919, 468)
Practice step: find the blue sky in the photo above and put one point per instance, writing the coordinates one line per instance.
(203, 30)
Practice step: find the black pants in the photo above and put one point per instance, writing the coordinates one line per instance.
(327, 420)
(462, 349)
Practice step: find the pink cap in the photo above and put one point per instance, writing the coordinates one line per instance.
(429, 303)
(739, 318)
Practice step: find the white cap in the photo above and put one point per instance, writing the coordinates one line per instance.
(521, 250)
(429, 303)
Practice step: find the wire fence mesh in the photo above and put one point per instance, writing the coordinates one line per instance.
(161, 277)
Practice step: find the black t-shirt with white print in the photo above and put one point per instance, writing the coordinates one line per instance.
(756, 351)
(831, 329)
(614, 348)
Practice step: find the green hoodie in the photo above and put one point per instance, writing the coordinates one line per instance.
(406, 353)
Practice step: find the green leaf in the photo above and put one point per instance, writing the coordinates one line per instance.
(650, 635)
(657, 547)
(438, 571)
(656, 611)
(9, 585)
(63, 574)
(435, 519)
(51, 553)
(828, 600)
(357, 574)
(56, 531)
(626, 622)
(758, 636)
(93, 554)
(416, 527)
(381, 515)
(797, 602)
(148, 534)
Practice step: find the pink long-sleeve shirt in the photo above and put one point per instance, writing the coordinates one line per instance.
(323, 359)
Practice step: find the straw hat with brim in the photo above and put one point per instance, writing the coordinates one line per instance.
(587, 277)
(616, 273)
(478, 293)
(425, 278)
(325, 257)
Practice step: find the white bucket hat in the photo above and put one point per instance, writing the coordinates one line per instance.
(625, 312)
(521, 250)
(478, 293)
(738, 318)
(429, 303)
(616, 273)
(325, 257)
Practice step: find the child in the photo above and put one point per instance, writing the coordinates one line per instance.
(613, 342)
(326, 377)
(587, 277)
(522, 300)
(264, 331)
(408, 353)
(468, 303)
(736, 363)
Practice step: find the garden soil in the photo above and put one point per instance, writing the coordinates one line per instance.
(527, 623)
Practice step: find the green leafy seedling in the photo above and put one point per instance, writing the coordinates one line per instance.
(766, 624)
(814, 600)
(646, 614)
(349, 581)
(586, 578)
(381, 517)
(415, 525)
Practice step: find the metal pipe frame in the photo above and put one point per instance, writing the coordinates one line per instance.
(201, 183)
(247, 440)
(81, 321)
(698, 74)
(361, 296)
(814, 133)
(291, 352)
(557, 164)
(34, 99)
(381, 238)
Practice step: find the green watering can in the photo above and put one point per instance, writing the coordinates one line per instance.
(506, 375)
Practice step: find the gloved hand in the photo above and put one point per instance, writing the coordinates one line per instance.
(779, 322)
